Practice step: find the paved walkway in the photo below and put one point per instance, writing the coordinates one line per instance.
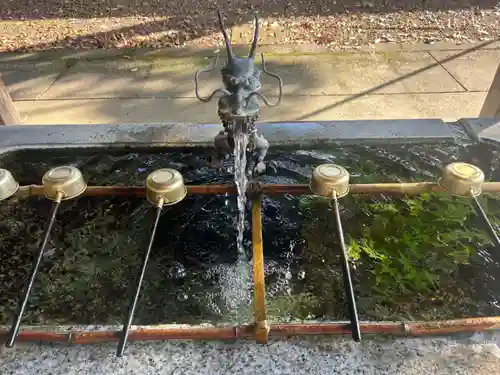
(476, 354)
(445, 81)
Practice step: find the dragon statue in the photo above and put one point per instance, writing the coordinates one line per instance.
(238, 106)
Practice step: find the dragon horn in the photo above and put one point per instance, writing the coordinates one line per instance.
(226, 37)
(255, 37)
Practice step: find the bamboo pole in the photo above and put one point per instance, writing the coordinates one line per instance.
(152, 334)
(444, 327)
(259, 286)
(8, 112)
(491, 105)
(127, 191)
(404, 188)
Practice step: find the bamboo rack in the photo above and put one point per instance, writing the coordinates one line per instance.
(405, 188)
(151, 333)
(259, 284)
(260, 330)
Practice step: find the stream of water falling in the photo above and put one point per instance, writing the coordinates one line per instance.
(240, 178)
(238, 289)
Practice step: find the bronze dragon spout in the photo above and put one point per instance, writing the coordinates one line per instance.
(239, 106)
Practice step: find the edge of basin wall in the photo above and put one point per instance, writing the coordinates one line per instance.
(178, 135)
(491, 105)
(482, 129)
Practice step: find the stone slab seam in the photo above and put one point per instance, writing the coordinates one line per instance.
(67, 67)
(446, 70)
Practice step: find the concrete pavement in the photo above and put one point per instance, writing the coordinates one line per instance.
(389, 82)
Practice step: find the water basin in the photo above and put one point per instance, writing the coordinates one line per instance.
(422, 258)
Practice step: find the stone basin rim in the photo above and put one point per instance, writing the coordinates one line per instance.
(178, 135)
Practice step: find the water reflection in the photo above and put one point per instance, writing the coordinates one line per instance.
(413, 258)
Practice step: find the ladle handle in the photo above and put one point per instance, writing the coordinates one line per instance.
(14, 330)
(349, 290)
(489, 228)
(133, 304)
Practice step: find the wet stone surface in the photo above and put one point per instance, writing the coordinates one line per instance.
(413, 258)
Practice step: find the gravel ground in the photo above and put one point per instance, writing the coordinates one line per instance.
(48, 24)
(476, 355)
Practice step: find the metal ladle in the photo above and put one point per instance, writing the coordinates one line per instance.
(332, 181)
(164, 187)
(466, 180)
(8, 185)
(60, 183)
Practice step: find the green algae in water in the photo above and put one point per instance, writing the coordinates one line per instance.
(413, 258)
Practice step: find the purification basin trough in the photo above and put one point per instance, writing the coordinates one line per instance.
(297, 152)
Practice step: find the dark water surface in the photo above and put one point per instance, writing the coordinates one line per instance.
(413, 258)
